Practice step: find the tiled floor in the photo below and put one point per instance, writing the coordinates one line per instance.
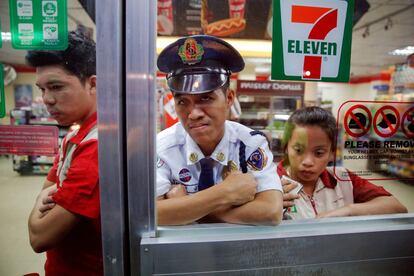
(17, 196)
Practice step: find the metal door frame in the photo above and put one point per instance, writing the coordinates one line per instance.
(126, 37)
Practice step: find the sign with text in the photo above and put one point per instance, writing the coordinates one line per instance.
(312, 40)
(29, 140)
(377, 143)
(2, 98)
(39, 24)
(271, 87)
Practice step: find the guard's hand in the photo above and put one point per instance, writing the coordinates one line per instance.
(240, 188)
(288, 199)
(46, 199)
(177, 191)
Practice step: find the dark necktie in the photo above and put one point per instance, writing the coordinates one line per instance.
(206, 179)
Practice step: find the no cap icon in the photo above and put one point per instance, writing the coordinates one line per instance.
(386, 121)
(357, 121)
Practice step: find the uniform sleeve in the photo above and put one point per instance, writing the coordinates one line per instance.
(265, 173)
(163, 177)
(79, 192)
(364, 190)
(52, 175)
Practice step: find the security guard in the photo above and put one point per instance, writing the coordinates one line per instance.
(210, 169)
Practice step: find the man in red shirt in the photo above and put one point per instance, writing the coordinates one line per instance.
(65, 221)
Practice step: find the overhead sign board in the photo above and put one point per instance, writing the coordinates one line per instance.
(312, 40)
(273, 87)
(39, 24)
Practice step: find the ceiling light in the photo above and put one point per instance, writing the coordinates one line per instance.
(402, 51)
(262, 70)
(258, 60)
(5, 36)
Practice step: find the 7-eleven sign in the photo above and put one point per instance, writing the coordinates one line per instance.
(312, 39)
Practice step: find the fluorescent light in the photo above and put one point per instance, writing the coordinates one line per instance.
(247, 48)
(6, 36)
(258, 60)
(281, 116)
(262, 70)
(403, 51)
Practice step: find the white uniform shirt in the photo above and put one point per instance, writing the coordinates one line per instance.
(179, 156)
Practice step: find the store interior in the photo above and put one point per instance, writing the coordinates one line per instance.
(382, 70)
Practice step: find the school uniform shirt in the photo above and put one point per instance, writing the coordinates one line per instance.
(179, 158)
(75, 171)
(331, 193)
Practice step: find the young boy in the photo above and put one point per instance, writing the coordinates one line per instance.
(309, 146)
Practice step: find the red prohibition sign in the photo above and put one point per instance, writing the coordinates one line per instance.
(351, 114)
(410, 118)
(393, 129)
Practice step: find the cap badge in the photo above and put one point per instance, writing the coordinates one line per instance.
(191, 52)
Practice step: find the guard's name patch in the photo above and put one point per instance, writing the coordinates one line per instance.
(257, 160)
(184, 175)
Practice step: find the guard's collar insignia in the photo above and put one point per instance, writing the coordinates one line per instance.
(191, 52)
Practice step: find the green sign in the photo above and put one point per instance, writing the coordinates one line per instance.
(2, 99)
(312, 42)
(39, 24)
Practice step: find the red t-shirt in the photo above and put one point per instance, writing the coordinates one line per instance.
(80, 252)
(363, 190)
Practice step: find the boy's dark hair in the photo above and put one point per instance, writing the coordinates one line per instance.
(78, 59)
(311, 116)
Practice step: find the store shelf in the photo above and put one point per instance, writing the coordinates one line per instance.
(401, 90)
(269, 115)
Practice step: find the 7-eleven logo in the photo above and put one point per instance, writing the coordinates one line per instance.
(322, 20)
(312, 34)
